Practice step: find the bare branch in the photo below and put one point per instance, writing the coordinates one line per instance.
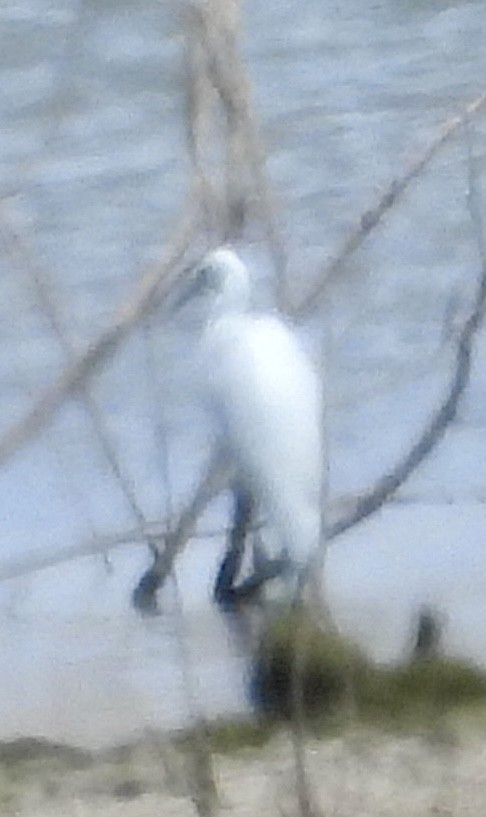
(156, 283)
(298, 662)
(154, 531)
(200, 99)
(199, 758)
(246, 182)
(217, 478)
(26, 260)
(159, 279)
(372, 217)
(373, 499)
(443, 416)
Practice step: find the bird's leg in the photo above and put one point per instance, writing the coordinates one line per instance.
(144, 596)
(226, 593)
(260, 557)
(268, 561)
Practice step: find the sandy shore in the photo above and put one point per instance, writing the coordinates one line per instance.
(363, 772)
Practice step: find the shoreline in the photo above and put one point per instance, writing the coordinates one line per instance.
(355, 768)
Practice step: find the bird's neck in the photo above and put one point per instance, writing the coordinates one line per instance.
(227, 306)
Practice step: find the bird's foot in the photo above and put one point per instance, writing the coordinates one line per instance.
(144, 597)
(251, 589)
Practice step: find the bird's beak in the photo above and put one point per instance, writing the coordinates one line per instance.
(188, 289)
(192, 286)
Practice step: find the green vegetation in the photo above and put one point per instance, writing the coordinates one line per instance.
(332, 667)
(423, 689)
(438, 698)
(224, 736)
(339, 681)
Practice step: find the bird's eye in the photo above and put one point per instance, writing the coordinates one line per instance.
(207, 278)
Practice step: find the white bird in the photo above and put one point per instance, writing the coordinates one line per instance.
(266, 399)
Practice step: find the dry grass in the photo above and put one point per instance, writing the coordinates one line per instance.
(339, 682)
(361, 771)
(408, 740)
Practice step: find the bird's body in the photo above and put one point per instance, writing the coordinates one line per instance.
(266, 400)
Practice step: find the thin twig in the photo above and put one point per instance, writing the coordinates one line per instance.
(155, 531)
(236, 95)
(217, 478)
(299, 655)
(372, 217)
(443, 416)
(153, 287)
(384, 488)
(25, 258)
(200, 99)
(79, 499)
(201, 777)
(387, 485)
(246, 182)
(138, 304)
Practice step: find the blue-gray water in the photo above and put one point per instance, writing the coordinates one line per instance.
(92, 155)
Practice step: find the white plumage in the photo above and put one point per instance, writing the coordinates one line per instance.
(266, 399)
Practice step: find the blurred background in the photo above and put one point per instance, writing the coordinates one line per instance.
(94, 170)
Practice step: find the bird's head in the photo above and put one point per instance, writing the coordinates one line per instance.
(222, 281)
